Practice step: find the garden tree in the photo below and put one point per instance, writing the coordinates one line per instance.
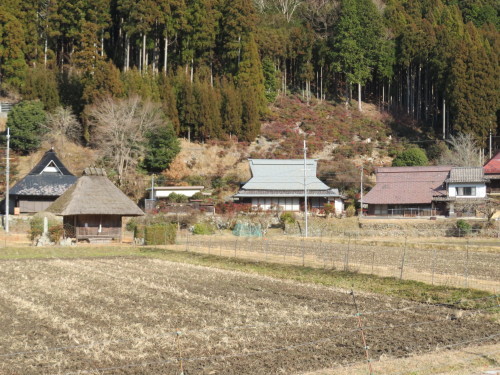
(27, 126)
(463, 152)
(169, 101)
(162, 146)
(63, 124)
(411, 157)
(41, 84)
(237, 21)
(119, 130)
(12, 44)
(231, 108)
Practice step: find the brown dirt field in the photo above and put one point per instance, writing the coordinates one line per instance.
(471, 267)
(120, 315)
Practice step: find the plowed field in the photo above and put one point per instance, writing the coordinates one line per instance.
(149, 316)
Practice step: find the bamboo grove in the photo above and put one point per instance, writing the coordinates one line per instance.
(216, 64)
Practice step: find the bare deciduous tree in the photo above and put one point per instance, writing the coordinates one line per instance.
(120, 127)
(321, 14)
(64, 124)
(464, 152)
(287, 7)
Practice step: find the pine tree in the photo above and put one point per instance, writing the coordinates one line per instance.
(27, 125)
(41, 84)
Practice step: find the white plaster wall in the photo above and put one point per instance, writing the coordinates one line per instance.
(166, 193)
(480, 190)
(339, 206)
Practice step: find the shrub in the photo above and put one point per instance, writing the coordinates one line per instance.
(287, 218)
(177, 198)
(464, 228)
(203, 228)
(350, 211)
(329, 208)
(159, 234)
(36, 228)
(412, 157)
(56, 232)
(198, 196)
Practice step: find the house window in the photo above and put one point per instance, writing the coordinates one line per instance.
(466, 191)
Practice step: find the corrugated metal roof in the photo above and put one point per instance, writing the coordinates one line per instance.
(271, 174)
(466, 174)
(408, 185)
(287, 193)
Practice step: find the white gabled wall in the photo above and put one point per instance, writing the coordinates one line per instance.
(480, 190)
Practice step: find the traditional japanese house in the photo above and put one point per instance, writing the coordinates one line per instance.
(279, 184)
(492, 173)
(47, 181)
(426, 191)
(93, 208)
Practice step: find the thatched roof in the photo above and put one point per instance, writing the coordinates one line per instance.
(94, 195)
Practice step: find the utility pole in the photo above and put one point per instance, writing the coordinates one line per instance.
(7, 182)
(305, 188)
(152, 195)
(491, 143)
(361, 194)
(444, 118)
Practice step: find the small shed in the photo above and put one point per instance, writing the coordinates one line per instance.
(93, 208)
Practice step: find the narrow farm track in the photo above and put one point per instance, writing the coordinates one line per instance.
(139, 315)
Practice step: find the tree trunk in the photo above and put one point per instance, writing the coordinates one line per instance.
(165, 56)
(408, 90)
(360, 107)
(144, 58)
(321, 78)
(127, 52)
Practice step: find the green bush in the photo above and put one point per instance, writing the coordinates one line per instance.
(287, 218)
(203, 228)
(36, 228)
(464, 228)
(412, 157)
(177, 198)
(158, 234)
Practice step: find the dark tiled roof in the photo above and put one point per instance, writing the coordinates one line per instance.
(51, 185)
(466, 174)
(46, 159)
(408, 185)
(40, 183)
(493, 166)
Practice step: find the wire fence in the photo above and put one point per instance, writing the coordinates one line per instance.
(468, 266)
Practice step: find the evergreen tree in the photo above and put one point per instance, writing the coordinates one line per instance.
(209, 116)
(27, 126)
(169, 101)
(161, 149)
(231, 108)
(41, 84)
(12, 64)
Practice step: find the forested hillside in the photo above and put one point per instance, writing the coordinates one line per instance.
(214, 66)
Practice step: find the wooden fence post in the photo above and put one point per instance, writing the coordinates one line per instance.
(403, 259)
